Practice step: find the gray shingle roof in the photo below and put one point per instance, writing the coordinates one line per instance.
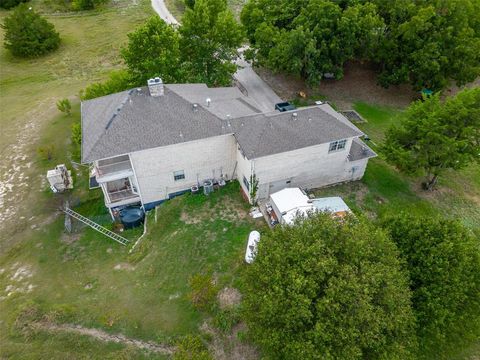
(359, 150)
(268, 134)
(142, 122)
(131, 121)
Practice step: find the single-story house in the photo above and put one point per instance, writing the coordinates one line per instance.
(290, 203)
(151, 143)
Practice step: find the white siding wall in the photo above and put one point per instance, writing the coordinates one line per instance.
(202, 159)
(310, 167)
(244, 168)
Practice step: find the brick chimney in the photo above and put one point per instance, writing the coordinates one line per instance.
(155, 86)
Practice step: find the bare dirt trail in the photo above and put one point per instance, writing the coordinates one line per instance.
(20, 183)
(106, 337)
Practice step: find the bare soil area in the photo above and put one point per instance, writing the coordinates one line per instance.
(229, 298)
(103, 336)
(230, 346)
(359, 84)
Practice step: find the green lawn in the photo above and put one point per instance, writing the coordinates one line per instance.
(89, 50)
(384, 190)
(147, 298)
(29, 89)
(74, 279)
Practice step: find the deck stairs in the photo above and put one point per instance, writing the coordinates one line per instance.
(97, 227)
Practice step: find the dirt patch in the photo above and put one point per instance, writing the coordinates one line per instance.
(230, 347)
(189, 219)
(226, 210)
(70, 238)
(229, 298)
(124, 266)
(18, 277)
(361, 191)
(21, 273)
(103, 336)
(358, 84)
(475, 198)
(15, 166)
(434, 195)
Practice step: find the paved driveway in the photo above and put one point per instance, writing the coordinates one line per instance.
(255, 87)
(162, 11)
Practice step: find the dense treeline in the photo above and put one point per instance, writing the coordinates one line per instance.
(8, 4)
(407, 287)
(425, 43)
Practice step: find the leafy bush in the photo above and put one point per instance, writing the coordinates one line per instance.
(203, 291)
(8, 4)
(64, 106)
(443, 261)
(27, 34)
(189, 3)
(226, 319)
(329, 289)
(83, 4)
(117, 81)
(86, 4)
(76, 133)
(191, 348)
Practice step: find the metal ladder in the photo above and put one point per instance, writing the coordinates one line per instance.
(95, 226)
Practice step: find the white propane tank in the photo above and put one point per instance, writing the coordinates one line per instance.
(253, 240)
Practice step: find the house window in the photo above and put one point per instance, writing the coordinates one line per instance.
(246, 183)
(178, 175)
(337, 145)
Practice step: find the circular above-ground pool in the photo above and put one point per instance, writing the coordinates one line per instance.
(131, 217)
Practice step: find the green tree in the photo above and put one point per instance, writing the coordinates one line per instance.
(27, 34)
(429, 43)
(189, 3)
(153, 50)
(425, 43)
(436, 136)
(118, 81)
(8, 4)
(318, 40)
(210, 36)
(443, 260)
(329, 289)
(83, 4)
(64, 106)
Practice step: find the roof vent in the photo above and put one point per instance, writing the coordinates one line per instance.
(294, 116)
(208, 101)
(155, 86)
(195, 107)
